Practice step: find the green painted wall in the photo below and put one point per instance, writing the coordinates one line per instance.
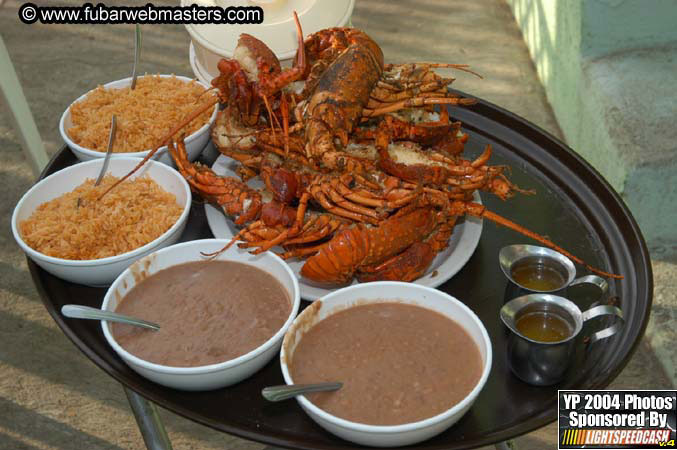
(609, 69)
(552, 31)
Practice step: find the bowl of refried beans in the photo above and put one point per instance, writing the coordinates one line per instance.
(412, 361)
(221, 318)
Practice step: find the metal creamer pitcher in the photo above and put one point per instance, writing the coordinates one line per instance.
(545, 363)
(512, 256)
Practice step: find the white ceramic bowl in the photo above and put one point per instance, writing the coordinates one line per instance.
(212, 42)
(215, 375)
(194, 142)
(101, 271)
(395, 435)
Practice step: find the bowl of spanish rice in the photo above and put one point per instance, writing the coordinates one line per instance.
(66, 227)
(144, 116)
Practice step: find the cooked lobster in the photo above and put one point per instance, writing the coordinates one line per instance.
(364, 178)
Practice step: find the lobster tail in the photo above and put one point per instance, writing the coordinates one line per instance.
(337, 260)
(407, 266)
(339, 97)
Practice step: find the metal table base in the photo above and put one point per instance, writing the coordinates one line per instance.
(149, 422)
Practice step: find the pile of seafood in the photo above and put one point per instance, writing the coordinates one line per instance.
(363, 167)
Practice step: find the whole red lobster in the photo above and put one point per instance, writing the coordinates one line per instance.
(364, 178)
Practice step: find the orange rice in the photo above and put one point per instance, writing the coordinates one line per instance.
(133, 214)
(144, 115)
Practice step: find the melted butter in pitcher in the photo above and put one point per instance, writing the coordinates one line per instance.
(543, 327)
(537, 274)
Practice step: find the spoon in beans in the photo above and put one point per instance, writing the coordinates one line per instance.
(287, 391)
(86, 312)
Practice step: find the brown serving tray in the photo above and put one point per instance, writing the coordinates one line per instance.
(573, 206)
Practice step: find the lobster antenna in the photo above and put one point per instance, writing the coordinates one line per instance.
(270, 117)
(520, 229)
(204, 92)
(300, 59)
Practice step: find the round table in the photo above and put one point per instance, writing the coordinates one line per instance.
(573, 206)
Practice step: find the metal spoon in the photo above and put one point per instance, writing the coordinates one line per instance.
(287, 391)
(137, 54)
(106, 159)
(109, 150)
(85, 312)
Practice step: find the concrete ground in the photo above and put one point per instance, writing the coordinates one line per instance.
(51, 396)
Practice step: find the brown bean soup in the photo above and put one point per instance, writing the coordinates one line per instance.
(399, 363)
(209, 312)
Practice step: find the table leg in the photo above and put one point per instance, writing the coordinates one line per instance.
(149, 422)
(506, 445)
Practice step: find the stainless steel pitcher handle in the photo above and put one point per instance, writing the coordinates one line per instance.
(600, 282)
(604, 310)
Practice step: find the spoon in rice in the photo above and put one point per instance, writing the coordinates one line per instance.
(137, 54)
(86, 312)
(111, 137)
(106, 159)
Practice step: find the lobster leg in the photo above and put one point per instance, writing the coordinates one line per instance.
(270, 116)
(411, 66)
(280, 152)
(300, 214)
(252, 162)
(339, 194)
(417, 102)
(310, 229)
(300, 252)
(388, 96)
(376, 103)
(261, 233)
(267, 245)
(269, 85)
(317, 235)
(319, 195)
(284, 109)
(367, 198)
(483, 158)
(412, 85)
(461, 175)
(294, 230)
(235, 197)
(240, 234)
